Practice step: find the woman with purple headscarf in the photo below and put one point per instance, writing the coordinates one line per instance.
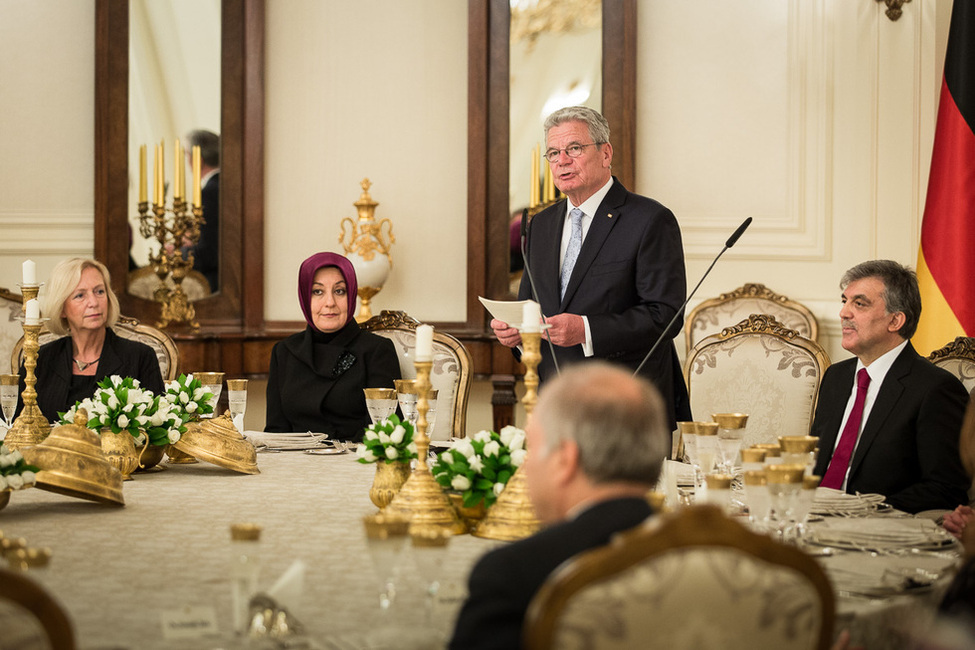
(317, 376)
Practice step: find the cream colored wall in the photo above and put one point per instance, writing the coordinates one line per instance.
(816, 117)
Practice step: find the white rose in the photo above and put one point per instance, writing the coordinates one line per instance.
(498, 489)
(173, 436)
(15, 481)
(460, 483)
(135, 382)
(199, 393)
(6, 461)
(465, 447)
(183, 397)
(371, 435)
(507, 433)
(123, 421)
(112, 402)
(518, 457)
(384, 438)
(483, 436)
(492, 448)
(116, 380)
(517, 441)
(157, 418)
(411, 448)
(397, 435)
(476, 464)
(391, 453)
(29, 477)
(365, 453)
(191, 407)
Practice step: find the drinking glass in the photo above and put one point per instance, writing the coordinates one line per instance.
(719, 491)
(804, 503)
(9, 390)
(407, 396)
(757, 497)
(431, 412)
(799, 450)
(429, 553)
(706, 446)
(784, 485)
(688, 434)
(731, 431)
(237, 400)
(213, 382)
(752, 459)
(380, 402)
(385, 538)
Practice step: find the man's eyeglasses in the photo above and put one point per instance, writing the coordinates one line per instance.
(572, 151)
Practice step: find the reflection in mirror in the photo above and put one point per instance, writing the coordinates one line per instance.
(556, 61)
(174, 91)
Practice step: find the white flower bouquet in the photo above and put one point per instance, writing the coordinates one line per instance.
(119, 404)
(166, 425)
(15, 473)
(390, 440)
(190, 399)
(481, 466)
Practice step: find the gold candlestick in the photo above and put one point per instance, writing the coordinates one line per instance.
(31, 427)
(421, 499)
(512, 516)
(173, 229)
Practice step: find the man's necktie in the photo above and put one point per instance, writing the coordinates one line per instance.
(840, 462)
(572, 252)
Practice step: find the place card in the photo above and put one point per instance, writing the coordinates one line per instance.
(189, 623)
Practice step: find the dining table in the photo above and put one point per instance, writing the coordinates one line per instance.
(157, 573)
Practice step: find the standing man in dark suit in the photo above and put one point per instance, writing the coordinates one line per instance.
(596, 441)
(206, 252)
(888, 421)
(608, 264)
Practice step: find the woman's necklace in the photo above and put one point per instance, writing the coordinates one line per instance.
(84, 364)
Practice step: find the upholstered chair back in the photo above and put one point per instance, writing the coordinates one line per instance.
(696, 581)
(958, 358)
(129, 328)
(30, 617)
(761, 368)
(712, 316)
(450, 375)
(11, 327)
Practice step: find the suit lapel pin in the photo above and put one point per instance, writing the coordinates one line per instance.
(610, 215)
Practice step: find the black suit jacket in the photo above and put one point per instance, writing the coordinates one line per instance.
(314, 386)
(503, 582)
(120, 356)
(206, 253)
(628, 280)
(908, 448)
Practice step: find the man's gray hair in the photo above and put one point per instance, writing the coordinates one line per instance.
(597, 124)
(616, 420)
(209, 144)
(901, 293)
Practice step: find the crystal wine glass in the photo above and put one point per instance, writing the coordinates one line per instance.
(407, 395)
(380, 402)
(431, 412)
(9, 389)
(237, 401)
(385, 538)
(429, 551)
(731, 432)
(213, 382)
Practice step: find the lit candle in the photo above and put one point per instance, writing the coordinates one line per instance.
(30, 272)
(424, 343)
(142, 174)
(197, 201)
(177, 190)
(531, 317)
(33, 315)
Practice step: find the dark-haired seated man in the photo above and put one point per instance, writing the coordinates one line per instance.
(597, 439)
(888, 420)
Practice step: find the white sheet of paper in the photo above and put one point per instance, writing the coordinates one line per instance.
(508, 311)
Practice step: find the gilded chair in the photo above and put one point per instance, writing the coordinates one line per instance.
(451, 373)
(761, 368)
(692, 580)
(30, 617)
(713, 315)
(958, 358)
(11, 327)
(144, 283)
(129, 328)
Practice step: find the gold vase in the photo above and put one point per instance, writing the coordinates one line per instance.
(150, 456)
(470, 516)
(389, 479)
(120, 452)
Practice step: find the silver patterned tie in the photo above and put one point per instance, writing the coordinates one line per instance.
(572, 251)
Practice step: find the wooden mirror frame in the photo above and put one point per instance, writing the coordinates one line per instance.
(488, 136)
(240, 303)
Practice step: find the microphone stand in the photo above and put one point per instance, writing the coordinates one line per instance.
(728, 244)
(531, 284)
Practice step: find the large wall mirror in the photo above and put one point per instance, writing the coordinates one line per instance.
(166, 104)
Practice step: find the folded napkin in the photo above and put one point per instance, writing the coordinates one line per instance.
(286, 441)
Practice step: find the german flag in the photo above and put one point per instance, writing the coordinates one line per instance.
(946, 261)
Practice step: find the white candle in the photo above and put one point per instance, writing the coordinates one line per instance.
(531, 317)
(33, 316)
(424, 343)
(30, 272)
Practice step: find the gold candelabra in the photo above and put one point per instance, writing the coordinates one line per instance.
(367, 247)
(172, 229)
(421, 499)
(512, 516)
(31, 427)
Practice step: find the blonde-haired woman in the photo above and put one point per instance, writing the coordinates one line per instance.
(83, 309)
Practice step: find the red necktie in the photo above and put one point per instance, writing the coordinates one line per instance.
(840, 462)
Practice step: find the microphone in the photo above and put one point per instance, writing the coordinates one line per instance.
(531, 283)
(728, 244)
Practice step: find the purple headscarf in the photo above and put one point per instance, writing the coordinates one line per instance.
(306, 277)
